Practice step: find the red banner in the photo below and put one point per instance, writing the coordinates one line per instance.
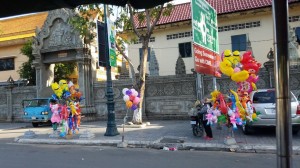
(206, 61)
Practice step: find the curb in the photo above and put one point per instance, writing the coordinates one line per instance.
(156, 145)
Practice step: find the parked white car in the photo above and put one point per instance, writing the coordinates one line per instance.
(263, 101)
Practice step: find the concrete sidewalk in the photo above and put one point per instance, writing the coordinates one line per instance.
(159, 134)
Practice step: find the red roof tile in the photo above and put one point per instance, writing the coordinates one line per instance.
(182, 12)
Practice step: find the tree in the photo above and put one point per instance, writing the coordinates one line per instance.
(150, 17)
(26, 71)
(126, 22)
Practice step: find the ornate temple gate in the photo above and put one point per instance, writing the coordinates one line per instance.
(58, 42)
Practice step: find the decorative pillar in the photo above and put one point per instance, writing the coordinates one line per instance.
(85, 82)
(10, 87)
(153, 64)
(269, 65)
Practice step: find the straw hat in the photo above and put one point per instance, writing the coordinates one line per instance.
(197, 102)
(207, 100)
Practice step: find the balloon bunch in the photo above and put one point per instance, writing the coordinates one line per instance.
(67, 99)
(238, 108)
(223, 110)
(241, 69)
(131, 98)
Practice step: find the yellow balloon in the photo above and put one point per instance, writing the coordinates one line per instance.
(227, 54)
(235, 59)
(214, 95)
(254, 116)
(240, 76)
(63, 85)
(226, 67)
(128, 104)
(253, 86)
(56, 89)
(238, 104)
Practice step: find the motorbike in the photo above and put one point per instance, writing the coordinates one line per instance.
(196, 123)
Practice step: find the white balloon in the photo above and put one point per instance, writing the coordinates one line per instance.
(124, 91)
(135, 93)
(132, 90)
(126, 98)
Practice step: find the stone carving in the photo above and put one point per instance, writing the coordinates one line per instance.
(151, 90)
(100, 93)
(169, 89)
(180, 67)
(261, 83)
(56, 34)
(293, 44)
(3, 99)
(294, 83)
(153, 64)
(117, 93)
(188, 88)
(56, 38)
(249, 47)
(61, 35)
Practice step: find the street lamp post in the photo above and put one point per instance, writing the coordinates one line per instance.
(111, 129)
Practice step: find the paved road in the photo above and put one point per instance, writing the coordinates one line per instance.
(74, 156)
(158, 131)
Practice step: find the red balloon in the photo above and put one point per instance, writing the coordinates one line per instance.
(131, 98)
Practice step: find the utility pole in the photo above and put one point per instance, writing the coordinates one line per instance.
(282, 88)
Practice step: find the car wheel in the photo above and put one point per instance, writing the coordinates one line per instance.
(246, 129)
(34, 124)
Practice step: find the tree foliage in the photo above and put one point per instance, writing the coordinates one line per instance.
(26, 71)
(83, 21)
(63, 70)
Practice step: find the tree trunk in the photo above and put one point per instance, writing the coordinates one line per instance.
(137, 115)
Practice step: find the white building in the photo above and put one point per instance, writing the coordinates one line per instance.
(239, 24)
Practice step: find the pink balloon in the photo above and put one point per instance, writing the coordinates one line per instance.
(237, 69)
(136, 100)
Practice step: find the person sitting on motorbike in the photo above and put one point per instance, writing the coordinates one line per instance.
(202, 112)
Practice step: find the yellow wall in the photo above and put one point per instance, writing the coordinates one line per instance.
(13, 51)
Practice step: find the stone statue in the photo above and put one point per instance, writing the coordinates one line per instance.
(56, 37)
(270, 55)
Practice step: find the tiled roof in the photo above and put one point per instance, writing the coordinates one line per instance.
(230, 6)
(21, 27)
(182, 12)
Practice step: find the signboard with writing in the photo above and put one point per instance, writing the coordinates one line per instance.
(205, 37)
(112, 43)
(206, 61)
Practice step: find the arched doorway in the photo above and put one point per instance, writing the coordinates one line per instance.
(58, 42)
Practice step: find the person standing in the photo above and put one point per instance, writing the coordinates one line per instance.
(202, 113)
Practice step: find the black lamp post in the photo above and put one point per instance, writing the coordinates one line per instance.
(111, 129)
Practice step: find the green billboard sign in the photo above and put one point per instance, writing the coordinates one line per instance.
(204, 24)
(111, 43)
